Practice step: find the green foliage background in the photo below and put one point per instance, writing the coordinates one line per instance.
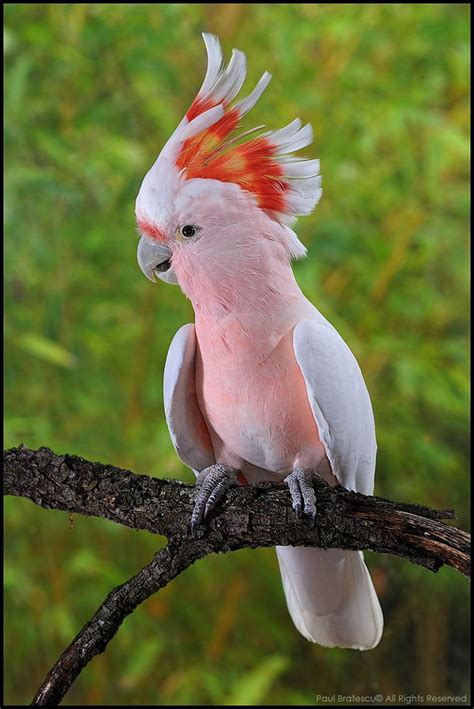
(92, 93)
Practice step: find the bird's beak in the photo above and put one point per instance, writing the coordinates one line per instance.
(155, 260)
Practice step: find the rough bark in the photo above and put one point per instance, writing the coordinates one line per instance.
(119, 603)
(252, 516)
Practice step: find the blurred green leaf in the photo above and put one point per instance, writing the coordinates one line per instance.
(252, 687)
(141, 663)
(47, 350)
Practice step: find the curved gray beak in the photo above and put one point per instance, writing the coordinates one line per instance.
(155, 260)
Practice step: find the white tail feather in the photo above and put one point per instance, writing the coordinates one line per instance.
(330, 596)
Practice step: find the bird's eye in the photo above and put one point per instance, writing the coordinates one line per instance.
(188, 231)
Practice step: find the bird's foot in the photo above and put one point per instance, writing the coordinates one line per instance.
(300, 484)
(212, 484)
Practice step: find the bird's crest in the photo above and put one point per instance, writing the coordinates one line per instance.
(204, 145)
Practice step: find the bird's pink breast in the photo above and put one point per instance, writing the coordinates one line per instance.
(253, 398)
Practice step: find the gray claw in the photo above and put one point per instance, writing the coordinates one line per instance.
(300, 484)
(212, 483)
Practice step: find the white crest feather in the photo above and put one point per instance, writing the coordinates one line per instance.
(297, 179)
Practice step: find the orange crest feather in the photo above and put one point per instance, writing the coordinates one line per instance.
(283, 186)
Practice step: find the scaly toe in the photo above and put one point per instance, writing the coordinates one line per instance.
(300, 484)
(212, 484)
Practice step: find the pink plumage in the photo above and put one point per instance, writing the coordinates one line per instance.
(262, 383)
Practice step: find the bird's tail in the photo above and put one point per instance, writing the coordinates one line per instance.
(330, 596)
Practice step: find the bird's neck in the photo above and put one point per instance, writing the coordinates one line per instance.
(256, 308)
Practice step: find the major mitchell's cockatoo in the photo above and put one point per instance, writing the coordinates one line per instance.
(261, 387)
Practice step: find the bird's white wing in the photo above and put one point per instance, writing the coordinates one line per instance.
(340, 403)
(186, 424)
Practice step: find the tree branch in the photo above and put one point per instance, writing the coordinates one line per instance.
(120, 602)
(252, 516)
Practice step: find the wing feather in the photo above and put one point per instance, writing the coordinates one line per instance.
(340, 403)
(186, 424)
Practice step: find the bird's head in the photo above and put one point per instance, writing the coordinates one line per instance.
(215, 203)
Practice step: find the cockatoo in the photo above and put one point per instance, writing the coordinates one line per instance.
(261, 386)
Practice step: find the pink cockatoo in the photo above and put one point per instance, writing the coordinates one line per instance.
(261, 387)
